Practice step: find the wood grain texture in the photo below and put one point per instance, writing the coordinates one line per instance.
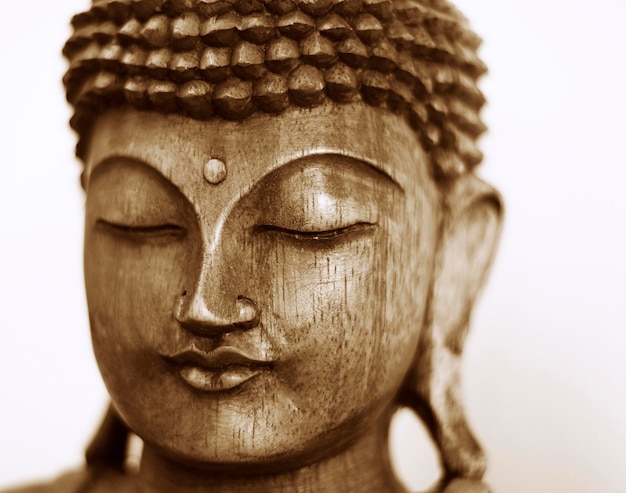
(283, 238)
(425, 46)
(257, 330)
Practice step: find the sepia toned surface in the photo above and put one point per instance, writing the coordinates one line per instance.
(495, 399)
(243, 266)
(281, 248)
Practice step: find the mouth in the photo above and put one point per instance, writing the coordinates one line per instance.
(218, 370)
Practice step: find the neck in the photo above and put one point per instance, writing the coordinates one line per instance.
(362, 467)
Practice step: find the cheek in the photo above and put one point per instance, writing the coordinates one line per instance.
(350, 316)
(132, 291)
(319, 295)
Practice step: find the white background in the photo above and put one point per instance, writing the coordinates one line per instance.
(544, 366)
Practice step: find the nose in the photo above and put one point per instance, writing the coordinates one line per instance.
(216, 305)
(240, 313)
(218, 300)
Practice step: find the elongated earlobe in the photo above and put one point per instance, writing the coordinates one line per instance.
(471, 228)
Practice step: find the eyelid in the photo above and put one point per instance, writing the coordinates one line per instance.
(165, 229)
(328, 234)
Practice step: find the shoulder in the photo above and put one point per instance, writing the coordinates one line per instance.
(466, 486)
(65, 483)
(82, 481)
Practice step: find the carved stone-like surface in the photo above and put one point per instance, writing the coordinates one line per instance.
(271, 93)
(284, 238)
(242, 366)
(257, 28)
(215, 173)
(426, 46)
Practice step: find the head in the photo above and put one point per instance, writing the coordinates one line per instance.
(284, 237)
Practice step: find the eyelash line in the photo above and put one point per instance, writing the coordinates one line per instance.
(172, 229)
(315, 235)
(159, 229)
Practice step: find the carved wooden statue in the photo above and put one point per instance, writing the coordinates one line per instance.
(284, 238)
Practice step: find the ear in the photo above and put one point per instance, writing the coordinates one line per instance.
(469, 235)
(470, 232)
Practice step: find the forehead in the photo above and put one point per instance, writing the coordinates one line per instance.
(179, 147)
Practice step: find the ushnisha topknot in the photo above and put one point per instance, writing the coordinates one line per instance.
(231, 58)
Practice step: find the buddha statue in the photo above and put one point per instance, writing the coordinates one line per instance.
(284, 239)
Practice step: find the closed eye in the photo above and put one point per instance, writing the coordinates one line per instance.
(143, 231)
(328, 234)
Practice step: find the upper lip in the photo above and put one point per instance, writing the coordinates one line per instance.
(217, 358)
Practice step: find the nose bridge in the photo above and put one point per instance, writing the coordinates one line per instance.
(216, 300)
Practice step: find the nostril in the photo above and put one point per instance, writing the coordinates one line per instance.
(193, 313)
(248, 312)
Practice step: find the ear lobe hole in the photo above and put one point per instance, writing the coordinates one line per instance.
(411, 443)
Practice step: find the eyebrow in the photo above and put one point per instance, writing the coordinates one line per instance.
(110, 161)
(349, 161)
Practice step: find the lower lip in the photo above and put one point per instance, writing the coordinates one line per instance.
(217, 380)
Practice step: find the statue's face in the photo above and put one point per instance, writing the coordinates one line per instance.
(275, 313)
